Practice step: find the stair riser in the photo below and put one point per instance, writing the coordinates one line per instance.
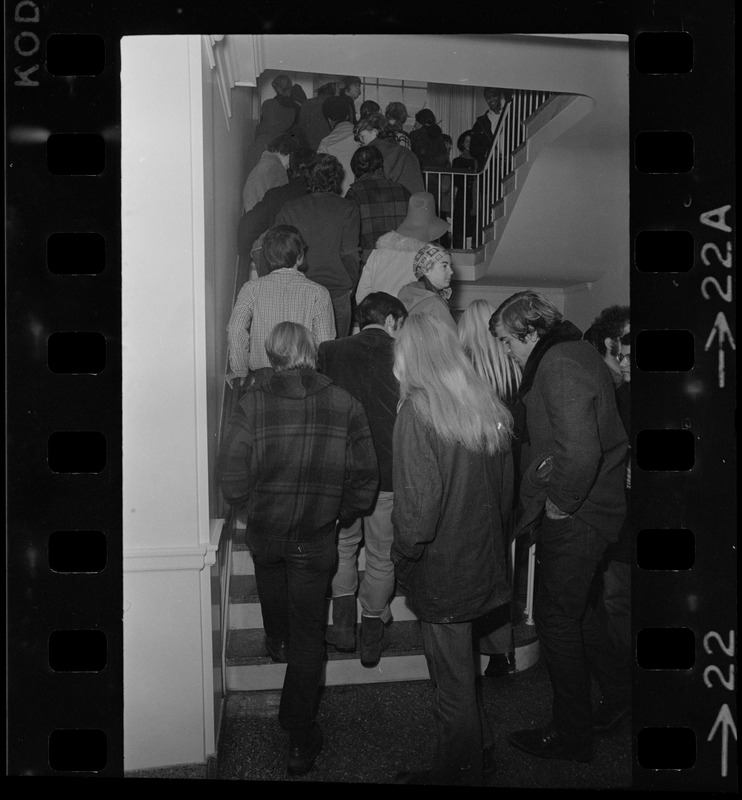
(349, 672)
(248, 615)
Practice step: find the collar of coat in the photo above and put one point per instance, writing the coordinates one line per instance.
(565, 331)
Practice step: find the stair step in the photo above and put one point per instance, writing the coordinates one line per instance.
(249, 669)
(249, 614)
(245, 647)
(243, 588)
(403, 660)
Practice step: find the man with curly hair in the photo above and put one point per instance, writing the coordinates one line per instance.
(330, 225)
(605, 336)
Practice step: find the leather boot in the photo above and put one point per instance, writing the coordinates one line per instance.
(342, 633)
(373, 640)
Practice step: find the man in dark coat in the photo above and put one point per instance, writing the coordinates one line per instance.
(483, 130)
(572, 492)
(362, 364)
(330, 225)
(261, 216)
(297, 455)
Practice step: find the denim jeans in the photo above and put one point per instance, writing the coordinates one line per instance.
(462, 726)
(573, 629)
(292, 579)
(377, 586)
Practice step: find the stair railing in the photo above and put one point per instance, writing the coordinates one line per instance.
(458, 191)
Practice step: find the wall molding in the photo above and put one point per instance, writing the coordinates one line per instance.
(166, 559)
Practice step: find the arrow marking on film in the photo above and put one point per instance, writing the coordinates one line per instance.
(724, 719)
(721, 327)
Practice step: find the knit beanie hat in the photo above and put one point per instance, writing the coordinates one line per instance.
(427, 257)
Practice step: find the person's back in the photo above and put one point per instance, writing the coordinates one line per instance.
(296, 457)
(382, 203)
(362, 364)
(284, 294)
(453, 493)
(292, 406)
(312, 120)
(330, 225)
(401, 165)
(428, 145)
(340, 142)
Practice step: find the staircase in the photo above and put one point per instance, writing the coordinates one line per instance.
(248, 668)
(551, 116)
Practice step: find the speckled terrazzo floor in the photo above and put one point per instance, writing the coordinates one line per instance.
(373, 731)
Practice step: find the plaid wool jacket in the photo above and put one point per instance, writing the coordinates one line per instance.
(298, 455)
(383, 207)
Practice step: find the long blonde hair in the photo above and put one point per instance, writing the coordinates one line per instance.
(435, 375)
(485, 351)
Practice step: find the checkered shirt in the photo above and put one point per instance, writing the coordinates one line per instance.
(284, 295)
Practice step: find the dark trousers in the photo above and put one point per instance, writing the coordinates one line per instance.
(292, 579)
(341, 306)
(573, 628)
(462, 726)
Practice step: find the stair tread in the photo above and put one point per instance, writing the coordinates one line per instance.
(243, 589)
(245, 646)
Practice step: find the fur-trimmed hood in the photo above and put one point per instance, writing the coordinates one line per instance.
(402, 244)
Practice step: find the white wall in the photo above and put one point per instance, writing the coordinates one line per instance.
(168, 658)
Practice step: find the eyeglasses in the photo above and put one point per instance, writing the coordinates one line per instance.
(623, 357)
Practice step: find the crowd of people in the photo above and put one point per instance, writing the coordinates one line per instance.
(368, 414)
(329, 124)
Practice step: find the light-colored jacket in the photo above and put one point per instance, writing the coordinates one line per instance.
(267, 173)
(418, 299)
(341, 144)
(389, 267)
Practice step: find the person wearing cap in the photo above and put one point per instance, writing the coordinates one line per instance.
(390, 265)
(340, 142)
(400, 164)
(382, 203)
(429, 294)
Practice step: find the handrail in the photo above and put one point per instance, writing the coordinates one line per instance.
(469, 198)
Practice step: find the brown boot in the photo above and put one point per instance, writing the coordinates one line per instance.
(342, 633)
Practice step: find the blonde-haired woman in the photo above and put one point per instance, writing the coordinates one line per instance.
(485, 352)
(488, 357)
(452, 478)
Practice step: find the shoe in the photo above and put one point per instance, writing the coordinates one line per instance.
(607, 715)
(304, 752)
(550, 743)
(373, 640)
(500, 665)
(342, 633)
(277, 649)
